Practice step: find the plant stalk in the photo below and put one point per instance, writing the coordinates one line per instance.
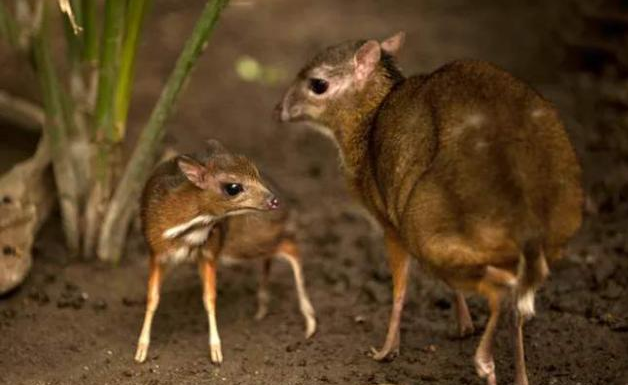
(8, 26)
(112, 36)
(56, 130)
(107, 149)
(137, 11)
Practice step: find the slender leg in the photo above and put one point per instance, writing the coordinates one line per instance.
(288, 251)
(521, 377)
(152, 301)
(465, 324)
(484, 363)
(263, 296)
(207, 271)
(399, 262)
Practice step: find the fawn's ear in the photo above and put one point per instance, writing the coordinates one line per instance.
(215, 147)
(366, 59)
(193, 170)
(393, 44)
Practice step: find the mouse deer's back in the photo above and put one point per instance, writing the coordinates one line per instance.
(475, 151)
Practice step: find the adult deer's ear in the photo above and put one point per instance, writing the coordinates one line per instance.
(393, 44)
(366, 60)
(193, 170)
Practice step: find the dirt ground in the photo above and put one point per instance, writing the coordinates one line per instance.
(77, 322)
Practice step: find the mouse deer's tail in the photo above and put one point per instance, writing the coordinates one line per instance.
(531, 273)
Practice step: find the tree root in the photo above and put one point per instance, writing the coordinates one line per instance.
(26, 200)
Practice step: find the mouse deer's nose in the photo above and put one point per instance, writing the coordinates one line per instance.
(273, 203)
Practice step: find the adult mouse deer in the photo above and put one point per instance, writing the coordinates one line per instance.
(195, 208)
(467, 169)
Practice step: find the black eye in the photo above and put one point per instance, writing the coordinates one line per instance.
(318, 86)
(232, 189)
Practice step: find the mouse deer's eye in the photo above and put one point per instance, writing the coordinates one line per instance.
(232, 189)
(318, 86)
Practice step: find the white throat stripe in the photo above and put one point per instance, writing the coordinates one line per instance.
(177, 230)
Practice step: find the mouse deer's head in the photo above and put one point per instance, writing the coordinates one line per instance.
(226, 184)
(342, 82)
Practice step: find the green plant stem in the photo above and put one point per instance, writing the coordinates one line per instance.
(57, 132)
(137, 11)
(124, 201)
(8, 26)
(90, 30)
(109, 56)
(107, 150)
(89, 53)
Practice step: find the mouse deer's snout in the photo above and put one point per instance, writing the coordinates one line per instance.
(283, 111)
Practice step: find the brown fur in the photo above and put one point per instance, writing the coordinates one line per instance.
(467, 167)
(467, 164)
(192, 186)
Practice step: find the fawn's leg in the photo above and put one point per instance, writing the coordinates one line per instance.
(288, 251)
(465, 324)
(521, 377)
(263, 295)
(399, 262)
(207, 271)
(152, 301)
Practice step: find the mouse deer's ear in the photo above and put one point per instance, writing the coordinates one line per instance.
(393, 44)
(193, 170)
(215, 147)
(366, 59)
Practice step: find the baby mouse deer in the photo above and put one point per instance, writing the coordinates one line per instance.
(467, 169)
(195, 208)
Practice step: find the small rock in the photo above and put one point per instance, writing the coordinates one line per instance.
(359, 319)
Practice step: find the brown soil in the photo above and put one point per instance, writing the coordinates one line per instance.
(77, 322)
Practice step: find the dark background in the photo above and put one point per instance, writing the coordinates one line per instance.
(77, 322)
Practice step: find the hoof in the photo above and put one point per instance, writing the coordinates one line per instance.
(215, 352)
(486, 369)
(384, 355)
(310, 327)
(466, 330)
(142, 351)
(262, 311)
